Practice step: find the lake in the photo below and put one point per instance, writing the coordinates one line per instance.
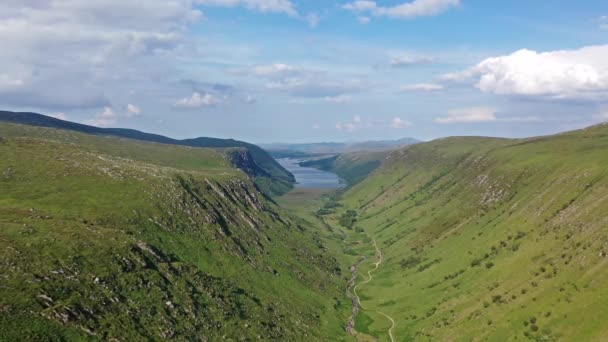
(308, 177)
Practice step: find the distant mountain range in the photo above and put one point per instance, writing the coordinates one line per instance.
(277, 149)
(269, 174)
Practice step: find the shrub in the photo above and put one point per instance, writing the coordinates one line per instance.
(489, 264)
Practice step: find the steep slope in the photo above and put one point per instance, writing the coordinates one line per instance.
(352, 167)
(487, 239)
(104, 238)
(269, 175)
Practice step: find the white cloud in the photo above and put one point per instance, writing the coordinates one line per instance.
(474, 114)
(272, 6)
(407, 61)
(359, 123)
(316, 126)
(603, 22)
(312, 19)
(319, 87)
(416, 8)
(60, 116)
(338, 99)
(250, 99)
(601, 116)
(272, 71)
(303, 82)
(104, 39)
(422, 87)
(351, 126)
(397, 122)
(104, 119)
(363, 19)
(133, 110)
(198, 100)
(564, 74)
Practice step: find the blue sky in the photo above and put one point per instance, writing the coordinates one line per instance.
(303, 71)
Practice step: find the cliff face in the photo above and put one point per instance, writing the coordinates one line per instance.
(242, 158)
(96, 245)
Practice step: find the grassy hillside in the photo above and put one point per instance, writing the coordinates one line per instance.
(486, 239)
(104, 238)
(352, 167)
(268, 174)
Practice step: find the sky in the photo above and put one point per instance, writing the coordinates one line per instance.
(309, 70)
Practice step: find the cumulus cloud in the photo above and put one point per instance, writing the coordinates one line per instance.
(104, 119)
(358, 123)
(250, 99)
(398, 122)
(302, 82)
(566, 74)
(351, 126)
(474, 114)
(316, 126)
(603, 22)
(50, 47)
(407, 61)
(319, 87)
(422, 87)
(133, 110)
(363, 19)
(312, 19)
(198, 100)
(273, 71)
(272, 6)
(338, 99)
(416, 8)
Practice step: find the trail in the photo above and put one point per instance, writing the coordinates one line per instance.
(370, 277)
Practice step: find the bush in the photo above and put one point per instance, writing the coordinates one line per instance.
(348, 219)
(489, 264)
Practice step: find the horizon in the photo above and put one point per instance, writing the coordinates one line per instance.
(346, 142)
(291, 71)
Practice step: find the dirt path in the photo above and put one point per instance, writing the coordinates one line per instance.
(357, 301)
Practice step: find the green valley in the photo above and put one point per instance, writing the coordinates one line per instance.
(463, 238)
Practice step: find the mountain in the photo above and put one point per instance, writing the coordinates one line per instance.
(269, 174)
(286, 150)
(353, 167)
(106, 238)
(474, 238)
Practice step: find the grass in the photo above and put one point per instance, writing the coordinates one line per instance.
(481, 234)
(482, 239)
(104, 238)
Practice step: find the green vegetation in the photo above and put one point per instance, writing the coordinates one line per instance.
(268, 174)
(463, 238)
(488, 239)
(348, 219)
(104, 238)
